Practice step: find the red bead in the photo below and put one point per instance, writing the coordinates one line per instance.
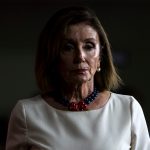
(73, 106)
(82, 105)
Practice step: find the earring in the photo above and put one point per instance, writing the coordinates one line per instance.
(98, 69)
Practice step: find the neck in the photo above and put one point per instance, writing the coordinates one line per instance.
(77, 92)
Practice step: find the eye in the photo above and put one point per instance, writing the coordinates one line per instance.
(89, 46)
(68, 47)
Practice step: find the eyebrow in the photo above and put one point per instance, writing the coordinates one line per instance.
(90, 39)
(85, 40)
(68, 40)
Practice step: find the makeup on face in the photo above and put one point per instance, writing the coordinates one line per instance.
(79, 54)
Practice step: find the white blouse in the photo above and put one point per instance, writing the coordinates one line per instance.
(119, 125)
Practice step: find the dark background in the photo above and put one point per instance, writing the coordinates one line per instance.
(126, 22)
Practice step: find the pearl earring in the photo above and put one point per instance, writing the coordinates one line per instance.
(98, 69)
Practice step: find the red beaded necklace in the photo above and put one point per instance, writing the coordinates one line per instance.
(81, 105)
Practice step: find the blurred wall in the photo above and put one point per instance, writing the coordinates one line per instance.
(128, 28)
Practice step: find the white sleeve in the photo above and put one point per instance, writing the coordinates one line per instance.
(17, 129)
(140, 135)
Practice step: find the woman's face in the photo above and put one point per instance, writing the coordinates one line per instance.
(79, 54)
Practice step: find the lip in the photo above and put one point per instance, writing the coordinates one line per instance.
(80, 71)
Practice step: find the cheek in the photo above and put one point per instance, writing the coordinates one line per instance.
(94, 63)
(63, 71)
(94, 59)
(64, 67)
(65, 63)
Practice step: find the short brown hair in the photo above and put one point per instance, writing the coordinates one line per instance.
(49, 47)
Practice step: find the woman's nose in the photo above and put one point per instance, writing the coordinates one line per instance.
(79, 56)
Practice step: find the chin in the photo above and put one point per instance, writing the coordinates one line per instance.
(80, 80)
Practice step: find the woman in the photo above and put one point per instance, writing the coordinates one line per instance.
(76, 108)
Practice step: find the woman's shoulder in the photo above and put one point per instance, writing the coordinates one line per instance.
(122, 98)
(125, 99)
(124, 104)
(30, 100)
(29, 103)
(30, 108)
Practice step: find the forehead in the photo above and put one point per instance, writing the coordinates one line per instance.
(81, 31)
